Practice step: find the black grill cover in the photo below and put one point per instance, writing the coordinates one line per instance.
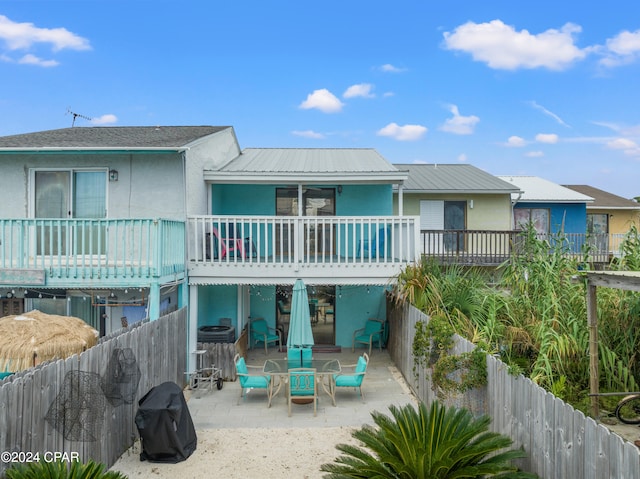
(165, 426)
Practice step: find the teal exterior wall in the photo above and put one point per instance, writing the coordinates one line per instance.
(243, 200)
(368, 200)
(355, 200)
(215, 302)
(263, 304)
(354, 305)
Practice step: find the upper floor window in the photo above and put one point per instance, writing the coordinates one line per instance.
(69, 193)
(316, 201)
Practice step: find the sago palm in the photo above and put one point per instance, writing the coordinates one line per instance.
(435, 442)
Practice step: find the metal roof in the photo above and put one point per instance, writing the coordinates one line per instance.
(439, 178)
(604, 199)
(536, 189)
(109, 138)
(308, 164)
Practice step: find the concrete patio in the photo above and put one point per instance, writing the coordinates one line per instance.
(383, 385)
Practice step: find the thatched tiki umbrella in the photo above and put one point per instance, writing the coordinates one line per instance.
(34, 337)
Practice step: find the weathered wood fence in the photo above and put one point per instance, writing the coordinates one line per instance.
(86, 404)
(560, 441)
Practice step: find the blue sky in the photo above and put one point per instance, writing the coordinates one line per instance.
(542, 88)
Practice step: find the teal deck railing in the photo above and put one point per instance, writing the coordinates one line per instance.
(65, 249)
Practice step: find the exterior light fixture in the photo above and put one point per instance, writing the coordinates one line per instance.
(113, 175)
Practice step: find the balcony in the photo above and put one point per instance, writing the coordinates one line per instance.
(90, 252)
(322, 249)
(491, 248)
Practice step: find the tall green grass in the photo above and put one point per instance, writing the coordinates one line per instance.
(535, 315)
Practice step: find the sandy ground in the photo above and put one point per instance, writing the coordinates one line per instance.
(247, 453)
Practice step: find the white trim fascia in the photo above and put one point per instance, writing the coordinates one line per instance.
(213, 176)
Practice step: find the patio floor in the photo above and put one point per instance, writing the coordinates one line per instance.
(383, 385)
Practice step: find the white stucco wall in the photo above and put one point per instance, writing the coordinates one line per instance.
(217, 150)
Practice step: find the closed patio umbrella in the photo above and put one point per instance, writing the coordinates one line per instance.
(300, 334)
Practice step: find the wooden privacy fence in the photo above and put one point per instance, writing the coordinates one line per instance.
(560, 441)
(85, 406)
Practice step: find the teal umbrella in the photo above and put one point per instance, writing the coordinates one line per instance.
(300, 334)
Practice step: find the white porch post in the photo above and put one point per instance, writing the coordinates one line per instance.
(400, 200)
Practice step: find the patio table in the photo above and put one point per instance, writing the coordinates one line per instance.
(325, 368)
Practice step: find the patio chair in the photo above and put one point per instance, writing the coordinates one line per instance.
(283, 310)
(261, 332)
(370, 334)
(353, 380)
(301, 356)
(251, 381)
(373, 247)
(302, 385)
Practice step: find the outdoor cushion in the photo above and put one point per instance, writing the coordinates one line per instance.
(355, 380)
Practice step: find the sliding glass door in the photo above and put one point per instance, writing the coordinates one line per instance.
(67, 194)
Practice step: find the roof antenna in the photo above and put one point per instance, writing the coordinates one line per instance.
(76, 115)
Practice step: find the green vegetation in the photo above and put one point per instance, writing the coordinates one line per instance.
(61, 470)
(534, 317)
(437, 443)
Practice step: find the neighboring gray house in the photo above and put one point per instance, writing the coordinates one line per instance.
(92, 221)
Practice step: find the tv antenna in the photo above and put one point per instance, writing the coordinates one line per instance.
(76, 115)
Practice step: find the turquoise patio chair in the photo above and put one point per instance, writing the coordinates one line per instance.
(251, 381)
(373, 247)
(355, 379)
(301, 357)
(283, 310)
(371, 333)
(302, 385)
(262, 333)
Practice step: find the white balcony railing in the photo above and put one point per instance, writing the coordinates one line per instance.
(288, 240)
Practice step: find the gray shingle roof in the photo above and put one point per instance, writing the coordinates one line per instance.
(604, 199)
(439, 178)
(118, 137)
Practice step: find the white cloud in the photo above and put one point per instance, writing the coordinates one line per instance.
(459, 125)
(500, 46)
(107, 119)
(403, 133)
(622, 144)
(360, 90)
(629, 147)
(534, 154)
(389, 68)
(30, 59)
(22, 36)
(308, 134)
(622, 49)
(550, 138)
(388, 94)
(548, 113)
(516, 142)
(322, 100)
(462, 158)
